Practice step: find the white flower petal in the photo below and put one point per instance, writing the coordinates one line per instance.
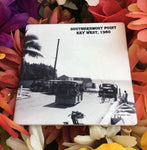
(109, 140)
(67, 144)
(41, 136)
(35, 143)
(138, 139)
(126, 131)
(37, 132)
(126, 141)
(112, 131)
(27, 141)
(61, 2)
(16, 144)
(84, 140)
(71, 5)
(97, 132)
(92, 2)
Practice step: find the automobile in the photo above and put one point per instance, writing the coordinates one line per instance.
(107, 90)
(45, 86)
(39, 86)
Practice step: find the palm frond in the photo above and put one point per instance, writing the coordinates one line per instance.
(33, 45)
(30, 37)
(31, 53)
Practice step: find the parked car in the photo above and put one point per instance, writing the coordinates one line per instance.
(107, 90)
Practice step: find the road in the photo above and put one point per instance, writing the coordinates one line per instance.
(40, 108)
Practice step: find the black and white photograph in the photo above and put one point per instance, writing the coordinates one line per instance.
(67, 76)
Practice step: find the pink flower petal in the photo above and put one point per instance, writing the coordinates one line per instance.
(9, 80)
(133, 59)
(14, 58)
(12, 71)
(32, 20)
(137, 15)
(17, 39)
(47, 12)
(142, 4)
(98, 9)
(6, 50)
(54, 19)
(110, 7)
(97, 17)
(15, 46)
(103, 9)
(118, 17)
(136, 27)
(142, 55)
(142, 35)
(8, 65)
(140, 21)
(133, 7)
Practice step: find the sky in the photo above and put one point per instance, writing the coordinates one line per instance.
(97, 56)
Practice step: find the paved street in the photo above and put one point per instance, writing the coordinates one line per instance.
(39, 108)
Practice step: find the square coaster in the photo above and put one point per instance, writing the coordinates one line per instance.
(75, 74)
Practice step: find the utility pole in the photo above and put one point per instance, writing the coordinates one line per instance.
(56, 58)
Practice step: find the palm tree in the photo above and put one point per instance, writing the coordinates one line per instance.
(31, 47)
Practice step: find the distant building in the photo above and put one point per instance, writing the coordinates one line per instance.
(87, 82)
(63, 77)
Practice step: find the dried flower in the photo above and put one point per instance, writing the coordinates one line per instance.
(110, 134)
(4, 105)
(99, 132)
(10, 64)
(62, 2)
(10, 20)
(138, 10)
(104, 13)
(138, 55)
(34, 142)
(7, 124)
(57, 16)
(16, 14)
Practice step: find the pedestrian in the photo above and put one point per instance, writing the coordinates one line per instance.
(125, 97)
